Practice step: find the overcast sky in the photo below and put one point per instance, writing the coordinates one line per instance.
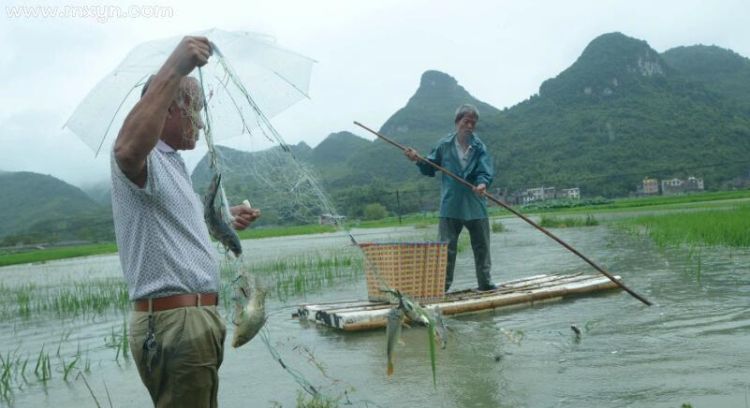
(370, 56)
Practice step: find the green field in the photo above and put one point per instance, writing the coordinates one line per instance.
(709, 199)
(256, 233)
(726, 227)
(714, 226)
(549, 221)
(42, 255)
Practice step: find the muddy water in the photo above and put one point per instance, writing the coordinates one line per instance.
(690, 347)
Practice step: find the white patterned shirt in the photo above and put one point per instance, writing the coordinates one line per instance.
(162, 239)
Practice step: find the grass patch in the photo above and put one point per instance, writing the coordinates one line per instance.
(420, 220)
(75, 299)
(498, 227)
(568, 222)
(257, 233)
(730, 227)
(687, 201)
(300, 274)
(48, 254)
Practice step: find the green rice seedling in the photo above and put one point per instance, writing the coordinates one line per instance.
(463, 243)
(728, 227)
(109, 397)
(568, 222)
(113, 342)
(315, 401)
(76, 298)
(301, 273)
(6, 363)
(23, 370)
(43, 370)
(124, 340)
(695, 262)
(119, 342)
(91, 392)
(5, 391)
(6, 366)
(63, 337)
(68, 367)
(24, 299)
(268, 232)
(498, 227)
(39, 362)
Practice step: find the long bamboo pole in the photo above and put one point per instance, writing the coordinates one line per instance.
(509, 208)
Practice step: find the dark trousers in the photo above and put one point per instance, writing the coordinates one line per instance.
(479, 231)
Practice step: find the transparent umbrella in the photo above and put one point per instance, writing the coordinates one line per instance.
(248, 80)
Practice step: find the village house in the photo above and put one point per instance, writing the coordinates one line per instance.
(652, 186)
(547, 193)
(678, 186)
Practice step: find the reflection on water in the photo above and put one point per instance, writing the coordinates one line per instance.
(691, 346)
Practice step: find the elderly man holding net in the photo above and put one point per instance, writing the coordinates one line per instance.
(464, 154)
(168, 261)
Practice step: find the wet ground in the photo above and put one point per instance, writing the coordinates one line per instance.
(690, 347)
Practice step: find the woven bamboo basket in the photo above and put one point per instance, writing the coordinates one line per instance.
(414, 268)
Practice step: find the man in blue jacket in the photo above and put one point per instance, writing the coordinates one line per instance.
(463, 154)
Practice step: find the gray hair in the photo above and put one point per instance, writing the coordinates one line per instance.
(466, 109)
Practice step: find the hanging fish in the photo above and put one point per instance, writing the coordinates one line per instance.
(217, 227)
(249, 310)
(393, 334)
(440, 332)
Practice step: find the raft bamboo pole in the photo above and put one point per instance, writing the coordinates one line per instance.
(372, 319)
(518, 214)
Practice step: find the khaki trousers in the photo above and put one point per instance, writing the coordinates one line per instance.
(190, 348)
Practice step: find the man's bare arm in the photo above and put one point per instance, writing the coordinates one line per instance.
(143, 126)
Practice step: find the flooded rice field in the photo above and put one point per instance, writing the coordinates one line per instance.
(62, 323)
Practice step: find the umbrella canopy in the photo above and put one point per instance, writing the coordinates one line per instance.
(247, 80)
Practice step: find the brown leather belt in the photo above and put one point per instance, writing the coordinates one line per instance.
(175, 301)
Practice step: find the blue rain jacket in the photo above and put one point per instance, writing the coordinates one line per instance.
(457, 200)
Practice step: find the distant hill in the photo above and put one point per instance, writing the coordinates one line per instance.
(611, 66)
(337, 147)
(720, 70)
(100, 192)
(622, 112)
(427, 116)
(41, 208)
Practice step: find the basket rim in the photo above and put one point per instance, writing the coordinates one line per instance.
(366, 244)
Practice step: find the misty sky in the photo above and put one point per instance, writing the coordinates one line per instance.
(370, 56)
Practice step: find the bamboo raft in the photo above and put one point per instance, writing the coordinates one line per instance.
(358, 315)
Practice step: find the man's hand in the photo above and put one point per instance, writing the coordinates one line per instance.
(191, 52)
(411, 154)
(480, 189)
(243, 216)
